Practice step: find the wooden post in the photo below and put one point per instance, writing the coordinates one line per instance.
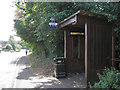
(86, 63)
(66, 50)
(65, 44)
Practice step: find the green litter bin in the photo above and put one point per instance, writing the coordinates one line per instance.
(60, 70)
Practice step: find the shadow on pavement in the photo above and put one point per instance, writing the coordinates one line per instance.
(25, 74)
(13, 62)
(23, 61)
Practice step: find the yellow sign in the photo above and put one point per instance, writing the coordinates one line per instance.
(76, 33)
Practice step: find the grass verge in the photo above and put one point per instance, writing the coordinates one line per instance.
(42, 66)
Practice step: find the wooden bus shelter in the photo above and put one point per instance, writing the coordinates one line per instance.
(88, 43)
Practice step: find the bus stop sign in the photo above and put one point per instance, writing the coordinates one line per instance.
(52, 23)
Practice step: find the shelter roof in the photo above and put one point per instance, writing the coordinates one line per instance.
(76, 18)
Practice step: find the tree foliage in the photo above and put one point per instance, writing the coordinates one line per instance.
(33, 18)
(12, 42)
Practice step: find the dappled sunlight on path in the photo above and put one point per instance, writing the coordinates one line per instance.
(27, 79)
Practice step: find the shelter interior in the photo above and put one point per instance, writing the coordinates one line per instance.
(76, 51)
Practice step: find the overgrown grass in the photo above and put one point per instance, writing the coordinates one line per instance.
(41, 66)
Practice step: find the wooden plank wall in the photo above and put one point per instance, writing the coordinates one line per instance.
(99, 47)
(82, 52)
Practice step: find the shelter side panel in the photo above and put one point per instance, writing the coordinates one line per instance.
(99, 48)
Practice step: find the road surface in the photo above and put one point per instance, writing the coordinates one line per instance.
(8, 62)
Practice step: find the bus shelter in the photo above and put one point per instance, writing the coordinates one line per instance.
(88, 43)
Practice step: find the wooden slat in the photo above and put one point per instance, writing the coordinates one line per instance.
(72, 51)
(70, 47)
(100, 44)
(110, 41)
(92, 42)
(113, 47)
(82, 49)
(79, 47)
(100, 41)
(106, 44)
(89, 60)
(97, 45)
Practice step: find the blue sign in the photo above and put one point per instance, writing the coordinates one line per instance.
(52, 23)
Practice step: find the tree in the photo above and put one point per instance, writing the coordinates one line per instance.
(32, 25)
(12, 42)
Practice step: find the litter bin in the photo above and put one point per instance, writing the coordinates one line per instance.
(60, 70)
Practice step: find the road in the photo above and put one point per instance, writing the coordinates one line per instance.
(8, 62)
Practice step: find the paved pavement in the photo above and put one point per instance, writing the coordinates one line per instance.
(15, 72)
(27, 79)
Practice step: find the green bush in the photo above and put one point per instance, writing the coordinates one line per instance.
(109, 79)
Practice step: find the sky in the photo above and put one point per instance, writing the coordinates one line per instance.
(7, 15)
